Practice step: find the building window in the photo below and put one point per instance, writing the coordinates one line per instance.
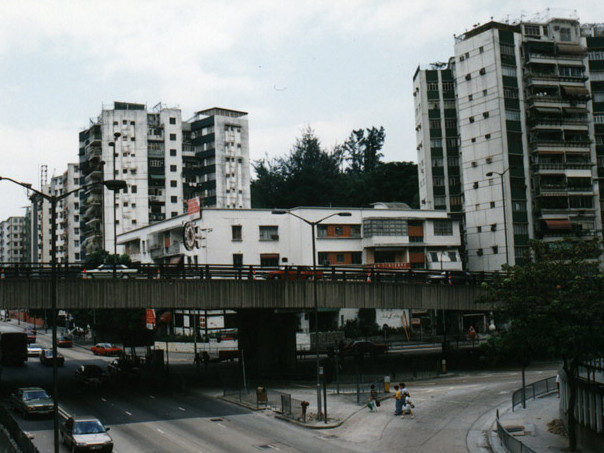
(473, 140)
(485, 114)
(133, 189)
(488, 136)
(237, 259)
(173, 183)
(436, 143)
(173, 137)
(236, 231)
(269, 233)
(435, 124)
(519, 206)
(508, 71)
(495, 250)
(494, 227)
(470, 97)
(512, 115)
(479, 229)
(468, 76)
(172, 168)
(484, 92)
(437, 161)
(482, 71)
(438, 180)
(443, 228)
(173, 214)
(173, 199)
(492, 204)
(481, 49)
(384, 227)
(172, 152)
(172, 120)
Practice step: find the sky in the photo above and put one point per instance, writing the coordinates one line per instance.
(333, 65)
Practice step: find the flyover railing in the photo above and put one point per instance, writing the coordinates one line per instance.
(533, 391)
(369, 273)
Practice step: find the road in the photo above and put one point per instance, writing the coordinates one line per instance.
(450, 414)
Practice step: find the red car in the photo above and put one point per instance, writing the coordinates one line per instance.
(106, 349)
(294, 273)
(64, 342)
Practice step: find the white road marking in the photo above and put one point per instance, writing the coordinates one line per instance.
(181, 409)
(221, 425)
(128, 413)
(159, 430)
(152, 397)
(103, 400)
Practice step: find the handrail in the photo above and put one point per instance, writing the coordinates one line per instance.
(534, 390)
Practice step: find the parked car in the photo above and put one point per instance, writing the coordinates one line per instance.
(91, 375)
(46, 358)
(365, 347)
(106, 271)
(34, 350)
(31, 334)
(32, 401)
(123, 369)
(83, 433)
(106, 349)
(64, 342)
(294, 273)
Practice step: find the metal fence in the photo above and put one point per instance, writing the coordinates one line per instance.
(533, 390)
(23, 442)
(510, 442)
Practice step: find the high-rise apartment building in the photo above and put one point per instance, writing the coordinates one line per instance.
(527, 139)
(164, 161)
(13, 240)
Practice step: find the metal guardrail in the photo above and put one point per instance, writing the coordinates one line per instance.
(366, 273)
(533, 390)
(512, 444)
(23, 442)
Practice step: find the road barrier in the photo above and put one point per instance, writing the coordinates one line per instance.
(533, 390)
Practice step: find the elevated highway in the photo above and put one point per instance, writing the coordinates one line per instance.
(227, 287)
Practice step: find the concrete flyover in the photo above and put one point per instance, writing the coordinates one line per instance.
(235, 294)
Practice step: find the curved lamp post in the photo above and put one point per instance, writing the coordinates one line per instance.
(112, 184)
(315, 297)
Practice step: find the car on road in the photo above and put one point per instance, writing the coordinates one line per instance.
(91, 375)
(64, 342)
(34, 350)
(46, 358)
(106, 271)
(31, 334)
(84, 433)
(32, 401)
(294, 273)
(123, 369)
(106, 349)
(363, 347)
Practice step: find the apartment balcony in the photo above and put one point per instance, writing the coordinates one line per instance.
(95, 176)
(556, 168)
(561, 145)
(157, 198)
(556, 101)
(159, 251)
(93, 152)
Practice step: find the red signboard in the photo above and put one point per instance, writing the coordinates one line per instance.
(150, 319)
(193, 205)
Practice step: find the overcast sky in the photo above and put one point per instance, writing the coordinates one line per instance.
(333, 65)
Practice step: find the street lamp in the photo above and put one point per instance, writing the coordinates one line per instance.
(113, 144)
(114, 185)
(505, 224)
(316, 299)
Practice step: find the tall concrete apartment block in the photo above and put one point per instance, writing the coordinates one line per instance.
(437, 138)
(164, 161)
(528, 139)
(13, 240)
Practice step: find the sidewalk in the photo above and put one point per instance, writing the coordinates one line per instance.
(529, 426)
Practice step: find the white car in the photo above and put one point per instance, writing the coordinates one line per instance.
(86, 434)
(106, 271)
(34, 350)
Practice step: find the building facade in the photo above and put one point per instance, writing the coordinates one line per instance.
(388, 236)
(527, 141)
(164, 161)
(13, 240)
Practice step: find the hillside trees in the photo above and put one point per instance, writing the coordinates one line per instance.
(351, 174)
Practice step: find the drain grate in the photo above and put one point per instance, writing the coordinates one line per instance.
(267, 447)
(216, 419)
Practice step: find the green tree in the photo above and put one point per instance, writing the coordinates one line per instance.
(554, 305)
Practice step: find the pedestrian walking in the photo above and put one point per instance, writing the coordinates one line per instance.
(407, 406)
(373, 402)
(206, 359)
(398, 401)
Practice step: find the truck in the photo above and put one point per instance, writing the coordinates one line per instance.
(13, 348)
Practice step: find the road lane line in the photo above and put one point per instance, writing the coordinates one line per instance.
(159, 430)
(181, 409)
(128, 413)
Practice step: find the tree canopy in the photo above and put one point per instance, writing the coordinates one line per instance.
(351, 174)
(554, 304)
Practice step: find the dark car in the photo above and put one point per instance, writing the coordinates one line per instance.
(46, 358)
(32, 401)
(83, 433)
(363, 347)
(123, 369)
(91, 375)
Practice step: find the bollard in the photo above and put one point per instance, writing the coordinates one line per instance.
(386, 384)
(443, 364)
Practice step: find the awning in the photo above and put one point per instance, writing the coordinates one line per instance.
(176, 259)
(558, 224)
(575, 91)
(548, 109)
(572, 49)
(575, 110)
(269, 256)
